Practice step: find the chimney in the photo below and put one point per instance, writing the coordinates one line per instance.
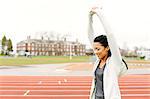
(76, 40)
(65, 39)
(42, 37)
(28, 37)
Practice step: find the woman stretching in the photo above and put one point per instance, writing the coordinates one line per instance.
(109, 65)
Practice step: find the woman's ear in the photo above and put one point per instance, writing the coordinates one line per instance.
(107, 48)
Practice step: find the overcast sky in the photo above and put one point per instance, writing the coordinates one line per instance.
(130, 19)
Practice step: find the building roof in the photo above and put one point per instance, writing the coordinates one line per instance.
(47, 41)
(35, 41)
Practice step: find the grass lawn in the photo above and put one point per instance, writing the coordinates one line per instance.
(19, 61)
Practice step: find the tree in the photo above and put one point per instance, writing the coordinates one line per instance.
(4, 40)
(10, 46)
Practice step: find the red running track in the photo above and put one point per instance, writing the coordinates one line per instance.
(67, 87)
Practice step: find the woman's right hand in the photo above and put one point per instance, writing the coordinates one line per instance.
(93, 11)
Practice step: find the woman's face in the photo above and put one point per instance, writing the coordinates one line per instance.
(100, 50)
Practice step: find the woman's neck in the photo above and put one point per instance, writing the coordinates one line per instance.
(103, 60)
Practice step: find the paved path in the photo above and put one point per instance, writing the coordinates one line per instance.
(44, 69)
(56, 69)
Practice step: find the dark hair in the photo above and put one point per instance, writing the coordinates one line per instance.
(102, 39)
(125, 63)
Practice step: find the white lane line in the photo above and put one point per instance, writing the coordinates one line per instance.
(49, 90)
(135, 95)
(63, 86)
(26, 93)
(87, 90)
(45, 86)
(65, 80)
(40, 82)
(61, 70)
(59, 82)
(124, 95)
(60, 96)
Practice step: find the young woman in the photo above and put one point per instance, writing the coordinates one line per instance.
(109, 65)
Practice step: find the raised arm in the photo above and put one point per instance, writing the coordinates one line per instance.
(90, 28)
(111, 39)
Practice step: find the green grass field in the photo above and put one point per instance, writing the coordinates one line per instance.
(19, 61)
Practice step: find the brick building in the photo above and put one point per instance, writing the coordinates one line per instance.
(43, 47)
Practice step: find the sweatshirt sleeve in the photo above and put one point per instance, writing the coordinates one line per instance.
(116, 56)
(90, 30)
